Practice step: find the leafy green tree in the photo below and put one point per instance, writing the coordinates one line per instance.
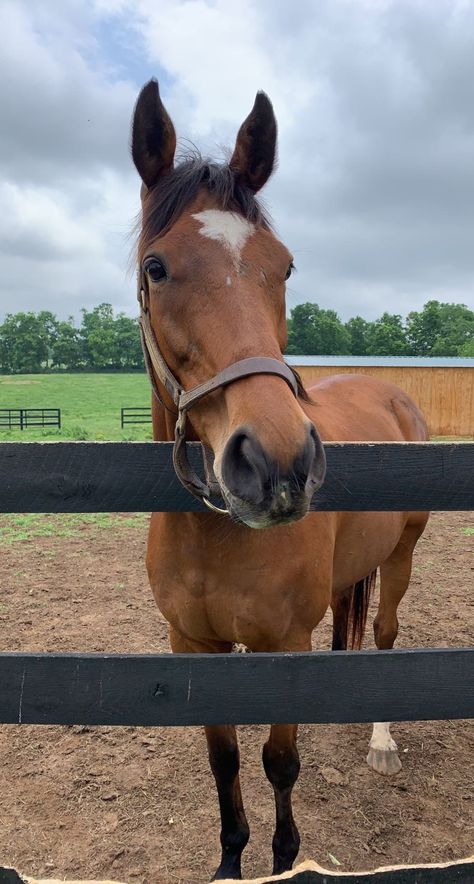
(49, 324)
(359, 331)
(68, 347)
(387, 336)
(315, 331)
(98, 335)
(440, 329)
(23, 344)
(128, 342)
(467, 349)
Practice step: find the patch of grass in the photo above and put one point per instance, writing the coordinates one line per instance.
(26, 526)
(90, 405)
(468, 531)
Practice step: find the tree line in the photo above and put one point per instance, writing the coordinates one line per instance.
(37, 342)
(105, 341)
(439, 329)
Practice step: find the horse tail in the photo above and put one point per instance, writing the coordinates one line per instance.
(359, 608)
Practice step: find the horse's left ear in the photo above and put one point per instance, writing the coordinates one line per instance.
(254, 153)
(153, 136)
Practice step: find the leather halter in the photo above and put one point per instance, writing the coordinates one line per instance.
(185, 399)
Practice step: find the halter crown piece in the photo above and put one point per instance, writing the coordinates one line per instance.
(185, 399)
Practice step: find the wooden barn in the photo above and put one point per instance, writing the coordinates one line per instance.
(443, 388)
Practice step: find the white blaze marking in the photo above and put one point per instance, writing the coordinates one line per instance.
(228, 280)
(227, 228)
(381, 737)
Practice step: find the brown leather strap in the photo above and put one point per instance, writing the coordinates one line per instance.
(242, 369)
(153, 356)
(186, 399)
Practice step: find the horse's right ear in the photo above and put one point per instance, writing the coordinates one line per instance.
(153, 136)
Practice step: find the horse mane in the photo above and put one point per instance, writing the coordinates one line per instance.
(302, 392)
(164, 203)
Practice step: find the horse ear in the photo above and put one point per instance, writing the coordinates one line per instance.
(153, 136)
(254, 153)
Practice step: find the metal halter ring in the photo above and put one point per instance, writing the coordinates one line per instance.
(213, 507)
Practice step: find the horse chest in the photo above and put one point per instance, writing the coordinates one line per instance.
(253, 599)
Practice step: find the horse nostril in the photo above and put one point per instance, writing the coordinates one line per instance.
(315, 460)
(244, 467)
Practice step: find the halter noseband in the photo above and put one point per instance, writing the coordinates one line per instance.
(185, 399)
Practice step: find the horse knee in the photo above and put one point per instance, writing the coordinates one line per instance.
(281, 766)
(224, 759)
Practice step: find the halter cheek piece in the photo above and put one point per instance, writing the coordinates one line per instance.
(185, 399)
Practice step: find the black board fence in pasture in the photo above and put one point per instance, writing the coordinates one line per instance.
(135, 415)
(23, 418)
(196, 689)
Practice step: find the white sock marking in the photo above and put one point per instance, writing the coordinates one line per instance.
(227, 228)
(381, 737)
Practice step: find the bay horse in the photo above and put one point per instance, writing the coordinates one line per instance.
(212, 278)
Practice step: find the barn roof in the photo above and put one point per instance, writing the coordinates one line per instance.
(396, 361)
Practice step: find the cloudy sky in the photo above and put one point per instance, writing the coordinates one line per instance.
(374, 193)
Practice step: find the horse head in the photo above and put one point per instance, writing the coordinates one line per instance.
(212, 275)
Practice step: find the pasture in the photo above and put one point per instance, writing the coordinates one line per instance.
(137, 804)
(90, 404)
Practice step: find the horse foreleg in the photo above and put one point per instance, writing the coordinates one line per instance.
(282, 766)
(224, 760)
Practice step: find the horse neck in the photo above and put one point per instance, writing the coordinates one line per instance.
(163, 422)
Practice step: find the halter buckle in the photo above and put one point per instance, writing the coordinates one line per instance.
(180, 426)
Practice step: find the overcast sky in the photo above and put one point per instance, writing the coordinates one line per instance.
(374, 193)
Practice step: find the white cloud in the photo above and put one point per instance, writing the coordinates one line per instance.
(375, 187)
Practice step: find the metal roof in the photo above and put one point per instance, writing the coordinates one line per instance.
(395, 361)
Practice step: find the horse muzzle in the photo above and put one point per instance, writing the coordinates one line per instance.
(258, 491)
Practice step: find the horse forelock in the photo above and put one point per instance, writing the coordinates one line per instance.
(164, 204)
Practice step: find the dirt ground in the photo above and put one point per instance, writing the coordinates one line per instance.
(138, 805)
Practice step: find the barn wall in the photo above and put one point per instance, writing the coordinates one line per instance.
(445, 395)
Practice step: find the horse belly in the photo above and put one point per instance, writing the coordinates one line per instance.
(363, 542)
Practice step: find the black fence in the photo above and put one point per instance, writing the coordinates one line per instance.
(23, 418)
(196, 689)
(135, 416)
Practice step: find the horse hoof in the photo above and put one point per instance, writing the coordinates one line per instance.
(384, 761)
(223, 875)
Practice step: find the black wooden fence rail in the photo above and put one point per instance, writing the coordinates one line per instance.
(195, 689)
(87, 477)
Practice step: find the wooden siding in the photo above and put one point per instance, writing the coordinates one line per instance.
(445, 395)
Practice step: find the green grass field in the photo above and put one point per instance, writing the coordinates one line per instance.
(90, 404)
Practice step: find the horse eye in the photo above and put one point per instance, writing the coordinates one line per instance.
(290, 270)
(155, 270)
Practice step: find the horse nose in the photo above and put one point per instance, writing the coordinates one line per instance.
(245, 467)
(310, 466)
(252, 476)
